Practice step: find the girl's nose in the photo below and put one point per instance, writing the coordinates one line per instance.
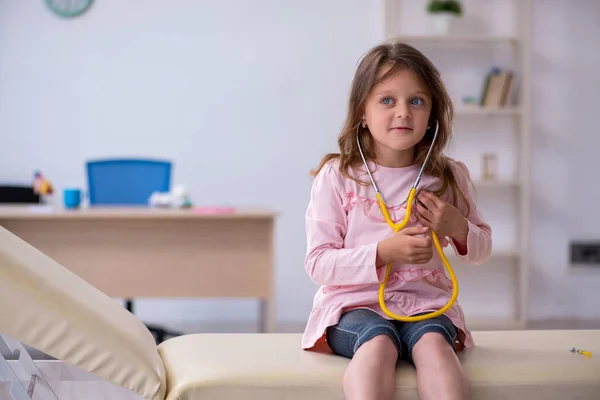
(402, 110)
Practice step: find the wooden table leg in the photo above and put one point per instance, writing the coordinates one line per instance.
(267, 315)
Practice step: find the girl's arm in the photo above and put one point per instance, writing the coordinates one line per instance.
(327, 262)
(475, 244)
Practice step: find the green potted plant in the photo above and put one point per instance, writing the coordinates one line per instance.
(442, 13)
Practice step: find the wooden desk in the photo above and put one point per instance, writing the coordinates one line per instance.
(146, 252)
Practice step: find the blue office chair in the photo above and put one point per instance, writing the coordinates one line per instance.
(126, 181)
(129, 182)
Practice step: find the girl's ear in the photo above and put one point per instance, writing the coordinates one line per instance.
(431, 123)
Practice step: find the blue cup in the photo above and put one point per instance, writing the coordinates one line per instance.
(72, 198)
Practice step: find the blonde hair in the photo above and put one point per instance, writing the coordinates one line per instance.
(399, 56)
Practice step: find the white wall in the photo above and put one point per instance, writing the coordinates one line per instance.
(246, 96)
(565, 161)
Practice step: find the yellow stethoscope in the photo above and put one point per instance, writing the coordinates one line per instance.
(397, 227)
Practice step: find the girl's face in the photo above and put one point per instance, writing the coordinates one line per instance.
(397, 113)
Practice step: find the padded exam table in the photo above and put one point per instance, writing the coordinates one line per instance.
(103, 351)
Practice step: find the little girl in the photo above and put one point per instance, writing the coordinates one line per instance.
(396, 102)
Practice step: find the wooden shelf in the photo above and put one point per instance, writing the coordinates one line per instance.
(505, 253)
(476, 110)
(458, 39)
(496, 254)
(505, 183)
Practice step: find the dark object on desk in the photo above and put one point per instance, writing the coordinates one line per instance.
(14, 194)
(129, 181)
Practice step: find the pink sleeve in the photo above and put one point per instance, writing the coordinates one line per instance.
(479, 237)
(327, 262)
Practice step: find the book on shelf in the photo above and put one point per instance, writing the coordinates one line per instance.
(498, 88)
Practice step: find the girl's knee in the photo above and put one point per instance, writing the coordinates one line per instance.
(432, 343)
(381, 348)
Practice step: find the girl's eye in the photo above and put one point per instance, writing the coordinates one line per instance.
(416, 102)
(387, 101)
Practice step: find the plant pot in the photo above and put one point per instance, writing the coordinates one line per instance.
(441, 23)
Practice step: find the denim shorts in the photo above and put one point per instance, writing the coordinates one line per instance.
(360, 325)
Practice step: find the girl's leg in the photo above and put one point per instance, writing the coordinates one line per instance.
(373, 345)
(429, 345)
(440, 375)
(371, 373)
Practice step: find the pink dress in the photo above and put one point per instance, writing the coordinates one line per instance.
(344, 223)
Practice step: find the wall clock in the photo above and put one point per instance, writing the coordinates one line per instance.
(68, 8)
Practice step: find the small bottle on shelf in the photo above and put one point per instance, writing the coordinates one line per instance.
(490, 167)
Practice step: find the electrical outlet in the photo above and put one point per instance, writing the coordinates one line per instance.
(585, 253)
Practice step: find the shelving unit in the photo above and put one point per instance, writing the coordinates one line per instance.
(510, 253)
(459, 39)
(497, 184)
(476, 110)
(517, 43)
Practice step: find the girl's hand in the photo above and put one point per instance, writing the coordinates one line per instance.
(441, 217)
(412, 245)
